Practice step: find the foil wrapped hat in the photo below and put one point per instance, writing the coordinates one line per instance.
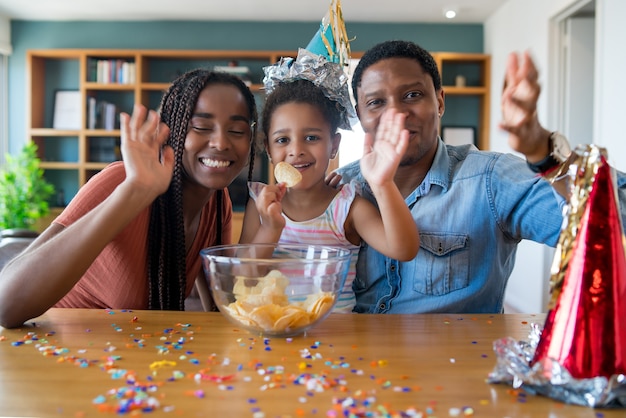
(331, 40)
(324, 63)
(580, 355)
(585, 330)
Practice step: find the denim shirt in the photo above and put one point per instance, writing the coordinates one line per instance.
(472, 209)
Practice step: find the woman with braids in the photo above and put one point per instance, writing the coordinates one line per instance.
(131, 237)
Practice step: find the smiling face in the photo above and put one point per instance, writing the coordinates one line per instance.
(402, 83)
(299, 135)
(217, 145)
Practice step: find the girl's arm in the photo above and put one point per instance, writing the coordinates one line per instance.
(393, 231)
(49, 268)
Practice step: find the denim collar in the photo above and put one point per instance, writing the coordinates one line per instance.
(437, 175)
(440, 171)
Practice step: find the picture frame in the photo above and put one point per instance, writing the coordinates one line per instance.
(67, 110)
(458, 135)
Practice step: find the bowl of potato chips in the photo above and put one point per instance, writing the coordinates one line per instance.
(277, 290)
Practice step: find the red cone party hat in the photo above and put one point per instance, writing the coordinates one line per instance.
(585, 330)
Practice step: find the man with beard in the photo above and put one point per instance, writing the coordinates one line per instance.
(472, 207)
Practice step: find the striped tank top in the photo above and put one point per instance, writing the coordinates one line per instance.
(326, 229)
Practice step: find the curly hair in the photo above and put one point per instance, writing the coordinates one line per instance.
(395, 49)
(166, 238)
(300, 91)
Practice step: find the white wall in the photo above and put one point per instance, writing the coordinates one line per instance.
(5, 35)
(610, 79)
(5, 49)
(577, 100)
(520, 25)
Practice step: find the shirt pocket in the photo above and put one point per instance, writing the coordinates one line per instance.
(442, 264)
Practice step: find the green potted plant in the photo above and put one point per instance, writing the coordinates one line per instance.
(24, 192)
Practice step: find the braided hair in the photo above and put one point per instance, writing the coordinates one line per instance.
(166, 238)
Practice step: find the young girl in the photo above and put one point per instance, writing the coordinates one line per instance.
(300, 124)
(131, 236)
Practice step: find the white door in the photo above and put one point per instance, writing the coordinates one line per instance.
(577, 96)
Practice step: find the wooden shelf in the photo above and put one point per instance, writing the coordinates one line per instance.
(467, 103)
(109, 86)
(465, 90)
(52, 132)
(59, 166)
(71, 157)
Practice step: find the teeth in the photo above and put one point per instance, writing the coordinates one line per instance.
(214, 163)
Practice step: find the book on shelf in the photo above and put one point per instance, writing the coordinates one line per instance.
(91, 113)
(110, 111)
(104, 149)
(239, 70)
(101, 114)
(106, 71)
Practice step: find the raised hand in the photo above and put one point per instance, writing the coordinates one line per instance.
(519, 107)
(268, 204)
(148, 162)
(383, 151)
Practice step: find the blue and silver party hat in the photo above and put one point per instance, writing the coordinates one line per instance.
(331, 39)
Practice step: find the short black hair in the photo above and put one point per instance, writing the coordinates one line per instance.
(395, 49)
(300, 91)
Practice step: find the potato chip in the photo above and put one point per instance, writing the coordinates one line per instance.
(292, 318)
(262, 303)
(319, 304)
(266, 316)
(266, 290)
(286, 173)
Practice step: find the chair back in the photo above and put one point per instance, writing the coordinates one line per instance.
(13, 242)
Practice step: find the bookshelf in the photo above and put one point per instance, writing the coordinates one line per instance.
(71, 156)
(466, 81)
(109, 82)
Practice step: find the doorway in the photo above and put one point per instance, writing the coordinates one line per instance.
(574, 110)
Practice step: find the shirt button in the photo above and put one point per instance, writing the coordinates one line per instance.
(381, 306)
(392, 267)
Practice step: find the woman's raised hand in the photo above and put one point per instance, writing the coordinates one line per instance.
(148, 162)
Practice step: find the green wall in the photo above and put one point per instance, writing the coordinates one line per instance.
(27, 35)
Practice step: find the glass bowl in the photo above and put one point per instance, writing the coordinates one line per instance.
(275, 290)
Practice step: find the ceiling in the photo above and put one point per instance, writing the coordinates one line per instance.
(385, 11)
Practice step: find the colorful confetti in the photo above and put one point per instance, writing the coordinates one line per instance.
(354, 384)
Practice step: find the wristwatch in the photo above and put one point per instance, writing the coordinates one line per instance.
(559, 152)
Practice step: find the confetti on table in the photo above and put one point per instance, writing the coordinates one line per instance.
(161, 363)
(315, 367)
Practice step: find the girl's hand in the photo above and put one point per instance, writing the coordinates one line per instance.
(148, 162)
(268, 204)
(382, 153)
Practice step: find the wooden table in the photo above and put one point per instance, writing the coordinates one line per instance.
(68, 362)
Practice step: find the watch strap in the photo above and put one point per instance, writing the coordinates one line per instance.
(544, 165)
(553, 159)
